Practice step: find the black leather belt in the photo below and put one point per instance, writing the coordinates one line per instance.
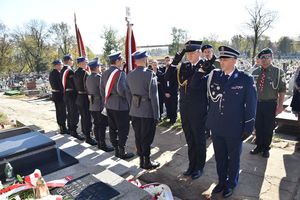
(69, 89)
(81, 92)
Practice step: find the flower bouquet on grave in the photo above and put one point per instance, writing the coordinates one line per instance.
(158, 191)
(35, 184)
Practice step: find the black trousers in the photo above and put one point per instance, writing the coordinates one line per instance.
(265, 124)
(118, 122)
(72, 112)
(85, 120)
(161, 103)
(61, 112)
(171, 106)
(193, 125)
(144, 130)
(100, 123)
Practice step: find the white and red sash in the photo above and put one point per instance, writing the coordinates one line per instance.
(64, 78)
(110, 83)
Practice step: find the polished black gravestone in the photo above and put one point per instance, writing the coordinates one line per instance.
(14, 132)
(86, 187)
(32, 150)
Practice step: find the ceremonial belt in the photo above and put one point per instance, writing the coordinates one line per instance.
(81, 92)
(55, 90)
(181, 84)
(69, 89)
(64, 79)
(110, 83)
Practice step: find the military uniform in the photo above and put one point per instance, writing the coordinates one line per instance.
(171, 87)
(274, 83)
(96, 106)
(231, 113)
(193, 111)
(70, 95)
(82, 101)
(142, 95)
(117, 107)
(57, 98)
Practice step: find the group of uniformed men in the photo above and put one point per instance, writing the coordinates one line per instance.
(213, 95)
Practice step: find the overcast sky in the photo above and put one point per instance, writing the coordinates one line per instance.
(152, 19)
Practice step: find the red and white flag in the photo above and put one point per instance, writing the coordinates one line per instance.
(130, 48)
(80, 45)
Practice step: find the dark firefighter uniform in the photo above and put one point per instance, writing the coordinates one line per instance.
(57, 97)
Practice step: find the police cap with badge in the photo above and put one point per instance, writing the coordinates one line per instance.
(228, 52)
(192, 45)
(206, 46)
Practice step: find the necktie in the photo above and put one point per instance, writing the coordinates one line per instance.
(262, 80)
(225, 78)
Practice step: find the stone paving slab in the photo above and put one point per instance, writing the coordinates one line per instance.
(260, 178)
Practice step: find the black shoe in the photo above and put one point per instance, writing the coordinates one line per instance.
(76, 135)
(63, 130)
(188, 172)
(106, 148)
(255, 151)
(218, 188)
(91, 141)
(265, 154)
(227, 192)
(123, 154)
(196, 174)
(148, 164)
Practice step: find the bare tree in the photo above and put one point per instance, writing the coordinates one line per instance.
(260, 21)
(32, 44)
(61, 37)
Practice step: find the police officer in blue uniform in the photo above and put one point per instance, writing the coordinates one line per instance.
(57, 96)
(113, 87)
(70, 94)
(231, 114)
(82, 100)
(193, 105)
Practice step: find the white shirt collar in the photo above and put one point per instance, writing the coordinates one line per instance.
(194, 64)
(230, 72)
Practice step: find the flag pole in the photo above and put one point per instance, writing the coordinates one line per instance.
(129, 52)
(77, 37)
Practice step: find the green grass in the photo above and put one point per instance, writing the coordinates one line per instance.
(176, 125)
(3, 118)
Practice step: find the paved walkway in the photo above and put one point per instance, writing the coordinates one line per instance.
(275, 178)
